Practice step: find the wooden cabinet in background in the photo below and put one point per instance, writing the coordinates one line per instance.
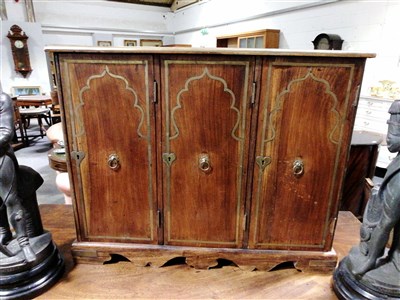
(237, 155)
(268, 38)
(361, 167)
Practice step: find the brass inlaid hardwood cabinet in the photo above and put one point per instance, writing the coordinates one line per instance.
(228, 154)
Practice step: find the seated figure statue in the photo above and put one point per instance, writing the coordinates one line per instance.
(372, 268)
(29, 260)
(11, 208)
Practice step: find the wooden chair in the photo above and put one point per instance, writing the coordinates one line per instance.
(55, 107)
(19, 139)
(41, 113)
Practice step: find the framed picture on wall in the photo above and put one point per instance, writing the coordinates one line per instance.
(26, 90)
(104, 43)
(156, 43)
(130, 43)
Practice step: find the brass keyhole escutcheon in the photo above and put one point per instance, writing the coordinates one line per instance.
(169, 158)
(113, 162)
(204, 163)
(263, 161)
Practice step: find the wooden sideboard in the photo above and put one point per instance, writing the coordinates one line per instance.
(207, 154)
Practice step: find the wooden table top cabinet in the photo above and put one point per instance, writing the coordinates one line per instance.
(207, 154)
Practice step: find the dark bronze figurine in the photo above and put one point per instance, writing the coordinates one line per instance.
(29, 260)
(372, 269)
(10, 200)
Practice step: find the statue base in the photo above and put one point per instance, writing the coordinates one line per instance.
(375, 284)
(25, 280)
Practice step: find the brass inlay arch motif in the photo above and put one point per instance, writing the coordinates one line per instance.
(206, 72)
(287, 90)
(127, 87)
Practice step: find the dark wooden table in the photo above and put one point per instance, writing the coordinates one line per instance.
(35, 100)
(123, 280)
(361, 165)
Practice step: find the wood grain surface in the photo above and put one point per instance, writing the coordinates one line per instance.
(125, 281)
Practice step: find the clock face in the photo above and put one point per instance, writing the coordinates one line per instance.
(323, 44)
(18, 44)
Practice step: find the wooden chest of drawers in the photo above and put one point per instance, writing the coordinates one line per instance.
(207, 154)
(372, 115)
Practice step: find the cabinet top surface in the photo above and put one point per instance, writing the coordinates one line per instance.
(216, 51)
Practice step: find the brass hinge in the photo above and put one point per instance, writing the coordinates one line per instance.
(155, 94)
(159, 219)
(253, 93)
(245, 222)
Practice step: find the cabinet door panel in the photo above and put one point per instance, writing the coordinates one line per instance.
(206, 124)
(305, 119)
(107, 101)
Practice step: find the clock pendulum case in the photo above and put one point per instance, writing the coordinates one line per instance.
(19, 49)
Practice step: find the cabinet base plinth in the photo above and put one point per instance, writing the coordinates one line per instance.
(202, 258)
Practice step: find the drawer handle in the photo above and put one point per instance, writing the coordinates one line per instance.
(298, 167)
(113, 162)
(204, 163)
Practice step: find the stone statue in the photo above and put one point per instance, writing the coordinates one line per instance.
(372, 269)
(29, 260)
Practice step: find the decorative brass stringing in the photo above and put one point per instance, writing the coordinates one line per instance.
(113, 162)
(263, 161)
(298, 167)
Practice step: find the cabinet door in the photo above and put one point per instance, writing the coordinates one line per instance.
(206, 117)
(304, 129)
(109, 118)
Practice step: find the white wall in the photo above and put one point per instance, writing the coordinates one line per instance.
(368, 26)
(94, 20)
(74, 22)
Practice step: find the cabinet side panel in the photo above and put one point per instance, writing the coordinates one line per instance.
(303, 136)
(206, 127)
(112, 145)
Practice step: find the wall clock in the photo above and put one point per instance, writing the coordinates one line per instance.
(326, 41)
(19, 49)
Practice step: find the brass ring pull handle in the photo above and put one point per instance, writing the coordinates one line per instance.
(113, 162)
(298, 167)
(204, 163)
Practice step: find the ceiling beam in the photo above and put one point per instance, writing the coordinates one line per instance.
(163, 3)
